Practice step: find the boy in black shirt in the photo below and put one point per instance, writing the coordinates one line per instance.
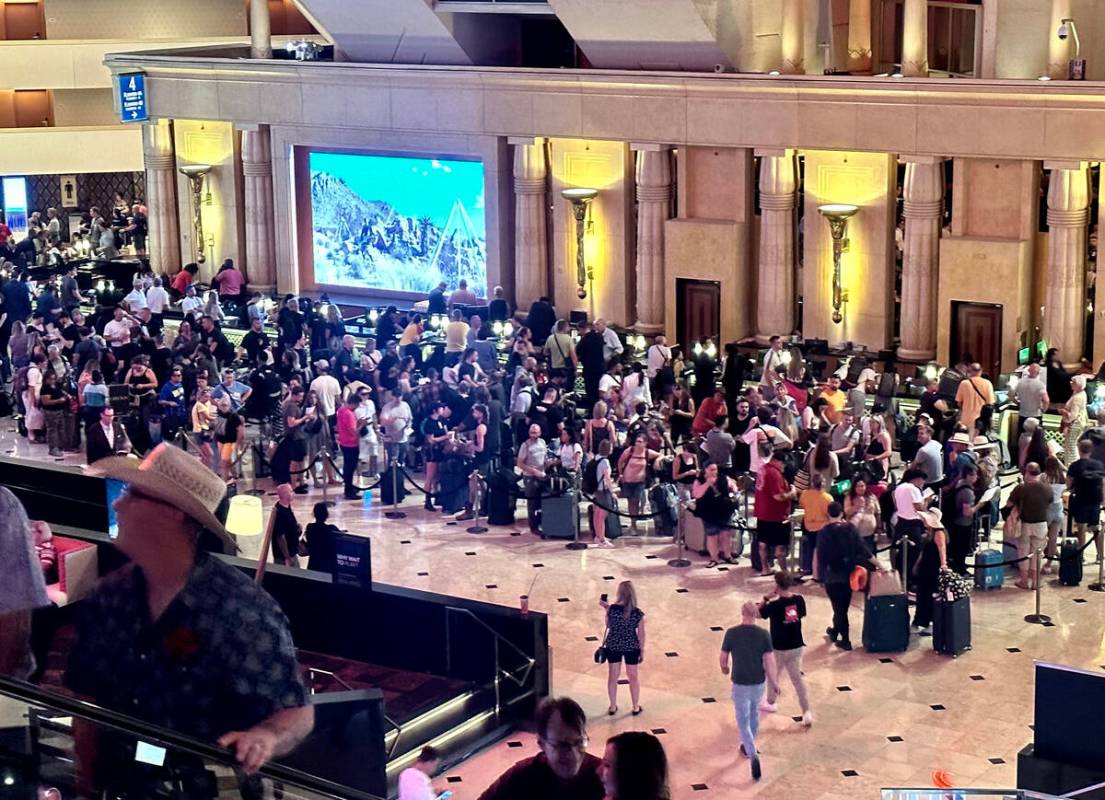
(785, 611)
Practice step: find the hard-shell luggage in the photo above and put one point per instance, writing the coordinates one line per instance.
(951, 626)
(1070, 563)
(665, 509)
(986, 575)
(613, 526)
(452, 483)
(886, 624)
(694, 533)
(560, 516)
(501, 500)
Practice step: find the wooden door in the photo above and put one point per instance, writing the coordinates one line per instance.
(33, 108)
(23, 20)
(697, 311)
(976, 335)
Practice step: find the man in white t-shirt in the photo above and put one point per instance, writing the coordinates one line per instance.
(414, 782)
(136, 298)
(327, 389)
(1030, 393)
(658, 356)
(773, 359)
(908, 502)
(157, 299)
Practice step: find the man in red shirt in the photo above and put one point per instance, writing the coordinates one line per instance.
(5, 235)
(711, 409)
(773, 504)
(349, 440)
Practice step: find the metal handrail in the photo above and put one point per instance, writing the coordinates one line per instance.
(530, 660)
(312, 671)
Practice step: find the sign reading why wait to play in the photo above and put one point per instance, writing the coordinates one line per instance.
(132, 98)
(353, 561)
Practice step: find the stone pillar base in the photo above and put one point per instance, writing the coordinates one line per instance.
(916, 355)
(646, 329)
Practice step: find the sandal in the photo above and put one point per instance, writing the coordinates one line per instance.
(711, 564)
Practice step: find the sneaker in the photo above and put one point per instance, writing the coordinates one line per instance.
(607, 543)
(844, 645)
(464, 516)
(925, 631)
(767, 708)
(756, 771)
(807, 718)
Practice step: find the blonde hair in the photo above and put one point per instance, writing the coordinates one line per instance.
(600, 410)
(627, 597)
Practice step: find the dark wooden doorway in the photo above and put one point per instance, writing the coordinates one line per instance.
(976, 334)
(697, 311)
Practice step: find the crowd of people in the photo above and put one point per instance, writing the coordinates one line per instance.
(101, 234)
(473, 400)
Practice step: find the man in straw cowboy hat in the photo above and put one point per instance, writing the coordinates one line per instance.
(178, 637)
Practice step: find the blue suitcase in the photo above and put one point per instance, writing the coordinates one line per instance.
(988, 576)
(886, 624)
(951, 626)
(560, 516)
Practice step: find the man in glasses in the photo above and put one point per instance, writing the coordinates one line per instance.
(563, 770)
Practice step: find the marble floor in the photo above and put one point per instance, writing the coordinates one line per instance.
(881, 721)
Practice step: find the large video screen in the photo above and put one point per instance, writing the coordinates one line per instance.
(397, 223)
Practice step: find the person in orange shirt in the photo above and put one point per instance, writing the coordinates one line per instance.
(835, 398)
(972, 396)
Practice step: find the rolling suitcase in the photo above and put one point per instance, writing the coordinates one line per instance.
(951, 626)
(390, 482)
(886, 624)
(560, 516)
(1070, 563)
(613, 526)
(988, 576)
(665, 509)
(501, 500)
(694, 533)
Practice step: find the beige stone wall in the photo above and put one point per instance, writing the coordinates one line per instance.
(715, 183)
(610, 241)
(710, 250)
(985, 271)
(994, 198)
(147, 19)
(73, 107)
(866, 180)
(214, 143)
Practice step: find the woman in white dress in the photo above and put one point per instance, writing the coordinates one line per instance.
(370, 440)
(1075, 419)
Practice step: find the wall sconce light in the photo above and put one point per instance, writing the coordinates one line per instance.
(838, 214)
(195, 173)
(581, 198)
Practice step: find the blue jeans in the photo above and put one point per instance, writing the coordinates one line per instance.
(746, 702)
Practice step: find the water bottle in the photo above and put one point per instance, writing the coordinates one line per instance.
(366, 498)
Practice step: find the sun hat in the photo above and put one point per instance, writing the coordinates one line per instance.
(982, 443)
(931, 518)
(172, 476)
(961, 438)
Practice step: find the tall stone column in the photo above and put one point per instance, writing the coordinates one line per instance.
(923, 196)
(531, 251)
(1068, 206)
(164, 236)
(793, 38)
(653, 210)
(260, 29)
(775, 275)
(1059, 51)
(915, 47)
(258, 206)
(859, 36)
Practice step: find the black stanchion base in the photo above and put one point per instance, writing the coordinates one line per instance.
(576, 546)
(1096, 587)
(254, 492)
(679, 562)
(1037, 619)
(476, 529)
(395, 515)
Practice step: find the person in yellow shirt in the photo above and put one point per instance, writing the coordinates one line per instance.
(973, 394)
(836, 398)
(203, 414)
(456, 338)
(814, 503)
(409, 341)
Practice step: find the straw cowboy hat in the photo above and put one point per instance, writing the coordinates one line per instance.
(172, 476)
(961, 438)
(982, 443)
(355, 386)
(931, 518)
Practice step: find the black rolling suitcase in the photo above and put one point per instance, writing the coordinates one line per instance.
(501, 501)
(560, 516)
(390, 482)
(951, 626)
(1070, 563)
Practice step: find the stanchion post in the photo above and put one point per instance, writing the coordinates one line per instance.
(1037, 618)
(1099, 586)
(576, 544)
(681, 560)
(481, 489)
(393, 456)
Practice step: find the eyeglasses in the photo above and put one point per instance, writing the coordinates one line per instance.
(567, 747)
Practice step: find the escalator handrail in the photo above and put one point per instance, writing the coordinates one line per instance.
(163, 737)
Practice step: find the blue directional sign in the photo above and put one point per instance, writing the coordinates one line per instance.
(133, 105)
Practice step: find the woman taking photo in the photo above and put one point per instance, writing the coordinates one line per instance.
(715, 499)
(625, 639)
(634, 767)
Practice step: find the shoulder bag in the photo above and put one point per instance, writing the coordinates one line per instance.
(600, 652)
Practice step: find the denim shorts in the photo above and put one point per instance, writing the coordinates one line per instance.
(632, 491)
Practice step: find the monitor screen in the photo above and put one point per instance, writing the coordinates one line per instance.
(1041, 348)
(1023, 356)
(397, 223)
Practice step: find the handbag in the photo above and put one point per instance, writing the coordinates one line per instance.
(600, 651)
(882, 584)
(951, 586)
(858, 579)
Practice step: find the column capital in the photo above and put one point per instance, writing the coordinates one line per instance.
(650, 147)
(160, 161)
(654, 194)
(529, 185)
(773, 152)
(1070, 165)
(919, 159)
(1074, 218)
(922, 209)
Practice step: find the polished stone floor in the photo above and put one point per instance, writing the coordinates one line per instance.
(881, 721)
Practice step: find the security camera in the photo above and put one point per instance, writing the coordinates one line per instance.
(719, 68)
(1064, 31)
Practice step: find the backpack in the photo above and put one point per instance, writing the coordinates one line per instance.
(590, 482)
